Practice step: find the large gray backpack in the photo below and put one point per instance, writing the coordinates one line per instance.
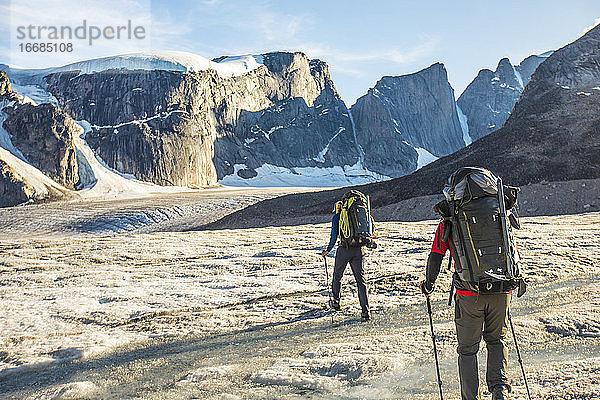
(479, 216)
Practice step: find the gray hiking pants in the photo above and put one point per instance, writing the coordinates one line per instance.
(476, 316)
(354, 256)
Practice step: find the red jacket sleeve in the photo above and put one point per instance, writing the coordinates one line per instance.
(439, 246)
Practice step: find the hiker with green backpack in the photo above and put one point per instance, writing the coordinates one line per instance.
(353, 224)
(477, 220)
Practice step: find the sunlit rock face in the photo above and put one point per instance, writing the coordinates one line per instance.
(193, 128)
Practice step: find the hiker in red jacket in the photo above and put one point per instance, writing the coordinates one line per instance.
(475, 316)
(473, 230)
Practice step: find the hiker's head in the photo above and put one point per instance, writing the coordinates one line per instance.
(338, 207)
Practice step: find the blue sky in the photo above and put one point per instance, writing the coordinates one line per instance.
(361, 41)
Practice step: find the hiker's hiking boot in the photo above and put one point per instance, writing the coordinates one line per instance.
(365, 315)
(500, 393)
(335, 305)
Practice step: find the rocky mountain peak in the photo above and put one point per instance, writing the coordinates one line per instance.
(4, 84)
(488, 101)
(571, 66)
(530, 64)
(506, 73)
(551, 136)
(200, 126)
(294, 74)
(405, 121)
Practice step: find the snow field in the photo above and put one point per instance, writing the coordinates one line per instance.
(103, 182)
(275, 176)
(168, 283)
(462, 118)
(424, 157)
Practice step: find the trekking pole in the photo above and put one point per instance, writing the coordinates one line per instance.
(437, 364)
(512, 328)
(328, 291)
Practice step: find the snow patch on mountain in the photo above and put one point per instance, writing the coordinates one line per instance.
(276, 176)
(33, 94)
(361, 152)
(462, 118)
(425, 157)
(97, 179)
(161, 115)
(518, 77)
(238, 65)
(321, 156)
(40, 183)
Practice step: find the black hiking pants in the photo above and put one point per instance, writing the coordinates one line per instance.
(476, 316)
(354, 256)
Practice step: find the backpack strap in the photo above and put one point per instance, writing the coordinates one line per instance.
(461, 239)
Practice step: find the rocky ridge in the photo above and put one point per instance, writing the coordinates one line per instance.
(488, 101)
(404, 113)
(36, 137)
(13, 188)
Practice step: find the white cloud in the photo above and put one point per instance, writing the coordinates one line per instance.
(257, 21)
(261, 26)
(168, 30)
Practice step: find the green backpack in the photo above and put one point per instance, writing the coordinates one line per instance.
(357, 227)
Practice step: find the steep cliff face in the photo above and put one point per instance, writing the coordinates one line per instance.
(489, 99)
(13, 188)
(528, 66)
(404, 113)
(6, 92)
(152, 124)
(553, 133)
(44, 135)
(385, 148)
(305, 124)
(193, 128)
